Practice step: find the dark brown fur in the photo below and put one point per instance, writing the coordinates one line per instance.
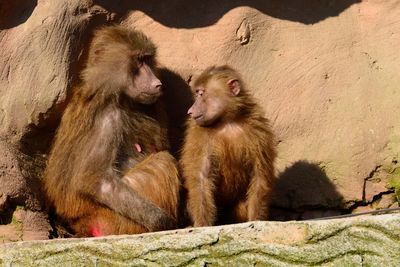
(108, 171)
(228, 154)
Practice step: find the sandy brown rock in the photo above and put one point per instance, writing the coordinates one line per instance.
(326, 74)
(41, 47)
(18, 187)
(21, 211)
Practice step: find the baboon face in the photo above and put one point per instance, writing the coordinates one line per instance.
(123, 61)
(145, 87)
(212, 101)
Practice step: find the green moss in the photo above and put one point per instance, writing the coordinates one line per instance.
(369, 241)
(19, 208)
(394, 182)
(393, 168)
(394, 179)
(394, 144)
(19, 227)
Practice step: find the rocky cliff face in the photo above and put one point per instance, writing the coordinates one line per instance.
(326, 73)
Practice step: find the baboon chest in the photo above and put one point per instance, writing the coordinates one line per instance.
(233, 173)
(143, 138)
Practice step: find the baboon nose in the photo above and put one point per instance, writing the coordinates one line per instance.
(158, 85)
(189, 112)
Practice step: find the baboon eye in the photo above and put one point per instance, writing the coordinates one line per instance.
(145, 58)
(136, 70)
(148, 59)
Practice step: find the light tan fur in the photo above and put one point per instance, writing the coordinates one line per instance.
(228, 165)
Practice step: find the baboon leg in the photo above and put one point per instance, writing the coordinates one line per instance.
(155, 179)
(105, 221)
(240, 212)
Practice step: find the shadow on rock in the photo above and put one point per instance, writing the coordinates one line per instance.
(15, 12)
(178, 99)
(194, 14)
(304, 191)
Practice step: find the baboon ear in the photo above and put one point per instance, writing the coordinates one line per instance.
(234, 86)
(98, 53)
(99, 50)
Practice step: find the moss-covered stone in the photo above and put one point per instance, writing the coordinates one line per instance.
(358, 241)
(394, 182)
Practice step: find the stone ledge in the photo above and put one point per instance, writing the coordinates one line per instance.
(357, 241)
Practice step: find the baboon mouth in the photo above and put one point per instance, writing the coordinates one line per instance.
(157, 93)
(152, 94)
(196, 118)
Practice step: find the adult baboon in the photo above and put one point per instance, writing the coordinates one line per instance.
(108, 171)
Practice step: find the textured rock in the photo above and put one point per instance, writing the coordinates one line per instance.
(25, 225)
(20, 187)
(41, 45)
(326, 74)
(40, 58)
(362, 241)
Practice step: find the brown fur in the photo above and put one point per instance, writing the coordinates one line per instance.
(97, 179)
(228, 154)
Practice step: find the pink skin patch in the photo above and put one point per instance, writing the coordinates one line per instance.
(138, 148)
(96, 231)
(151, 148)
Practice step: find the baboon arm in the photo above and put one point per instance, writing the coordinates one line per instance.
(106, 187)
(201, 194)
(201, 204)
(259, 191)
(118, 196)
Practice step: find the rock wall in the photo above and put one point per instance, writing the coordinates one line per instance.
(325, 72)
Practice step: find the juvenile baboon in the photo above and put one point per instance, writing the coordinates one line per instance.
(108, 171)
(228, 153)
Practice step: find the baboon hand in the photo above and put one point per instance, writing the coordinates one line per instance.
(162, 221)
